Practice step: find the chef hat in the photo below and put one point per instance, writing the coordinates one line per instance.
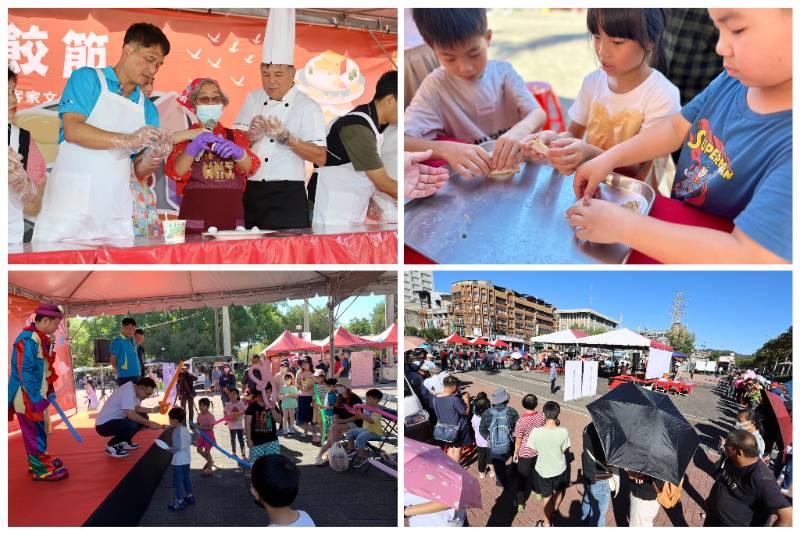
(279, 40)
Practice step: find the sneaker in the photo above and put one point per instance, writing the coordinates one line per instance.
(176, 506)
(319, 461)
(358, 462)
(285, 432)
(189, 500)
(129, 446)
(116, 452)
(482, 476)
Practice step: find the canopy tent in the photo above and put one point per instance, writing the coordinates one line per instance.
(345, 340)
(89, 293)
(623, 337)
(562, 337)
(387, 338)
(478, 341)
(412, 342)
(384, 20)
(656, 345)
(499, 344)
(288, 342)
(455, 339)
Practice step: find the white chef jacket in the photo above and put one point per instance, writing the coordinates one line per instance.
(301, 116)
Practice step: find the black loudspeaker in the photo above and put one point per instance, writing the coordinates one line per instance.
(102, 351)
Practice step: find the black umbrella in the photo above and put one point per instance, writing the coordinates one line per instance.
(642, 430)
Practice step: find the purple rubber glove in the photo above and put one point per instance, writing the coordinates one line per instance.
(228, 150)
(200, 143)
(40, 406)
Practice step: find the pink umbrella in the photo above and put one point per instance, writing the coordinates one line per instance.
(433, 475)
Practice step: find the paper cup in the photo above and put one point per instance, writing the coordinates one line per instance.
(174, 231)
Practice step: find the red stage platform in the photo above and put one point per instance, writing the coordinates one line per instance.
(373, 244)
(100, 490)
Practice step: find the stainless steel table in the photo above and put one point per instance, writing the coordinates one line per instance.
(521, 220)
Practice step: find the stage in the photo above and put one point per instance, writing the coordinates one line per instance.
(373, 244)
(100, 490)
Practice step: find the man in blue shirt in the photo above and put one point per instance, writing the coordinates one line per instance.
(109, 131)
(125, 354)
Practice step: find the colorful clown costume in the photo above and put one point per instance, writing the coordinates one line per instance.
(31, 382)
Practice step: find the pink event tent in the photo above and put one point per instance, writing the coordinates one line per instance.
(288, 342)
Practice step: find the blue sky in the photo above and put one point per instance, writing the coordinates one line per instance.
(734, 310)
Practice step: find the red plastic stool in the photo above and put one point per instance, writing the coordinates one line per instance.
(544, 94)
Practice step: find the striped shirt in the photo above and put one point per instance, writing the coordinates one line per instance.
(527, 422)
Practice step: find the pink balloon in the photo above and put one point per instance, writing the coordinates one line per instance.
(263, 382)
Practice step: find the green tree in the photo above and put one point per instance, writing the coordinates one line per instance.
(378, 318)
(774, 351)
(432, 334)
(681, 339)
(411, 331)
(359, 326)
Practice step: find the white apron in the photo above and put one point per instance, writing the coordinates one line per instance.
(343, 193)
(88, 195)
(16, 225)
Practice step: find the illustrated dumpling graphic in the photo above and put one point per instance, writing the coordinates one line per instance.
(332, 63)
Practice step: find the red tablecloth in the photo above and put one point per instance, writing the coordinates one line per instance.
(676, 211)
(374, 246)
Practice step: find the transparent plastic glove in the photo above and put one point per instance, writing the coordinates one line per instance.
(277, 130)
(257, 129)
(136, 141)
(228, 150)
(159, 151)
(374, 211)
(422, 180)
(21, 186)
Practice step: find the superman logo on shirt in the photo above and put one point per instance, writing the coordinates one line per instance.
(708, 159)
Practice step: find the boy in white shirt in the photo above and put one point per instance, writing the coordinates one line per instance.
(274, 483)
(468, 98)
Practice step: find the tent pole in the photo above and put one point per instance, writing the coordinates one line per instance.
(331, 306)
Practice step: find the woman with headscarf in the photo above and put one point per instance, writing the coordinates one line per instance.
(212, 169)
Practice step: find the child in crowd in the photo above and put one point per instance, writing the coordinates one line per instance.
(234, 413)
(524, 456)
(330, 397)
(205, 422)
(469, 98)
(274, 484)
(484, 466)
(552, 475)
(624, 96)
(261, 427)
(357, 438)
(319, 405)
(181, 460)
(723, 169)
(289, 394)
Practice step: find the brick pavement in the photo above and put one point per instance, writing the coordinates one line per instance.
(499, 508)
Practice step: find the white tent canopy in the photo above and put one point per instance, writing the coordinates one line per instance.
(562, 337)
(89, 293)
(623, 337)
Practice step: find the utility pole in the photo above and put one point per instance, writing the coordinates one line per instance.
(216, 333)
(226, 332)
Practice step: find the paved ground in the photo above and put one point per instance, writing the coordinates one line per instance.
(224, 499)
(700, 408)
(544, 45)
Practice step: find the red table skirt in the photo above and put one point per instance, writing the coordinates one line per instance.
(373, 247)
(676, 211)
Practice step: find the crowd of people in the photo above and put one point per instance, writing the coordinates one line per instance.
(250, 175)
(529, 454)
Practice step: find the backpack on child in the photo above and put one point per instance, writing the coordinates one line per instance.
(499, 433)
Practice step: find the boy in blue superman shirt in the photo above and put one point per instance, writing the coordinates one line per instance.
(736, 140)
